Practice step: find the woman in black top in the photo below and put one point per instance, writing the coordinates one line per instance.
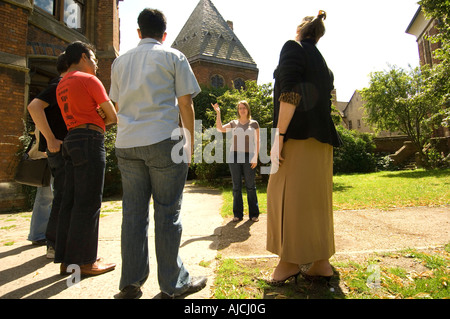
(299, 195)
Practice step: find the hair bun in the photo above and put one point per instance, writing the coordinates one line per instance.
(322, 15)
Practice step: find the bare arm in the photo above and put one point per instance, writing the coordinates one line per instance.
(36, 109)
(109, 111)
(219, 126)
(187, 114)
(254, 160)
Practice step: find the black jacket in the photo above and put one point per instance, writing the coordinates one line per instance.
(303, 72)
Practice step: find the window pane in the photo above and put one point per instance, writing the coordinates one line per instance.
(72, 14)
(47, 5)
(217, 81)
(239, 84)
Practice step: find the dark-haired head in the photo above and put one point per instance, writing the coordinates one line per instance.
(152, 24)
(75, 50)
(312, 27)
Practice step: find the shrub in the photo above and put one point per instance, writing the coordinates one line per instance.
(356, 155)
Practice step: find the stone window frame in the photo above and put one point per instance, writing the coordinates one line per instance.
(61, 14)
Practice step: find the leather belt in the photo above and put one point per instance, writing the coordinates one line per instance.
(89, 127)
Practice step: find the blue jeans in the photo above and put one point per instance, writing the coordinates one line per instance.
(77, 233)
(240, 167)
(57, 166)
(41, 212)
(149, 171)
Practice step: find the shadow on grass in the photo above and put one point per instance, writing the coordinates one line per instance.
(302, 289)
(340, 187)
(420, 173)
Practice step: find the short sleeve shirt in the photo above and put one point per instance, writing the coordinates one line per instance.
(52, 113)
(79, 96)
(145, 82)
(244, 136)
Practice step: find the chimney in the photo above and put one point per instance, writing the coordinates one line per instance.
(230, 24)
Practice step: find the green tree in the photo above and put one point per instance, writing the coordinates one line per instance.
(356, 155)
(396, 100)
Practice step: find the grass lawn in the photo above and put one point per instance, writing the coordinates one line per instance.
(382, 190)
(407, 274)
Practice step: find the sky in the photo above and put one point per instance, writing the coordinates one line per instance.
(361, 36)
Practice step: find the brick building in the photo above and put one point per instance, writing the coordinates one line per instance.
(215, 53)
(421, 28)
(33, 34)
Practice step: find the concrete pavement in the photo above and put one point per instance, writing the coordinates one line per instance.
(25, 272)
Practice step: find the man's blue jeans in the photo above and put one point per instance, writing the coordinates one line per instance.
(149, 171)
(77, 233)
(240, 167)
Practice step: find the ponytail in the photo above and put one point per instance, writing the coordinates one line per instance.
(322, 15)
(61, 64)
(312, 27)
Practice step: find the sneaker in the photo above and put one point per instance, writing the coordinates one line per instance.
(50, 252)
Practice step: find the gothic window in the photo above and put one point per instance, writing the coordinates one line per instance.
(217, 81)
(239, 84)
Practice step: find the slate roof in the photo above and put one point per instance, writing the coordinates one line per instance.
(206, 36)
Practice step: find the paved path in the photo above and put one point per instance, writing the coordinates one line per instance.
(25, 272)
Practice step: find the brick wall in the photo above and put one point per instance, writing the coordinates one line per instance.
(205, 70)
(14, 29)
(42, 43)
(13, 76)
(11, 114)
(107, 38)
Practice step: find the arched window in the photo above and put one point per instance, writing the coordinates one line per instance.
(217, 81)
(239, 84)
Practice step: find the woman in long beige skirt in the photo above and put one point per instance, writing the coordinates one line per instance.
(299, 195)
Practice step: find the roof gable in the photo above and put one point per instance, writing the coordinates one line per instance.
(207, 36)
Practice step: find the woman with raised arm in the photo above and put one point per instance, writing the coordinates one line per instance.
(243, 158)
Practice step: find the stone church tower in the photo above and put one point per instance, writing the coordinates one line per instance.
(215, 53)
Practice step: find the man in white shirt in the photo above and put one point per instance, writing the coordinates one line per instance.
(146, 84)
